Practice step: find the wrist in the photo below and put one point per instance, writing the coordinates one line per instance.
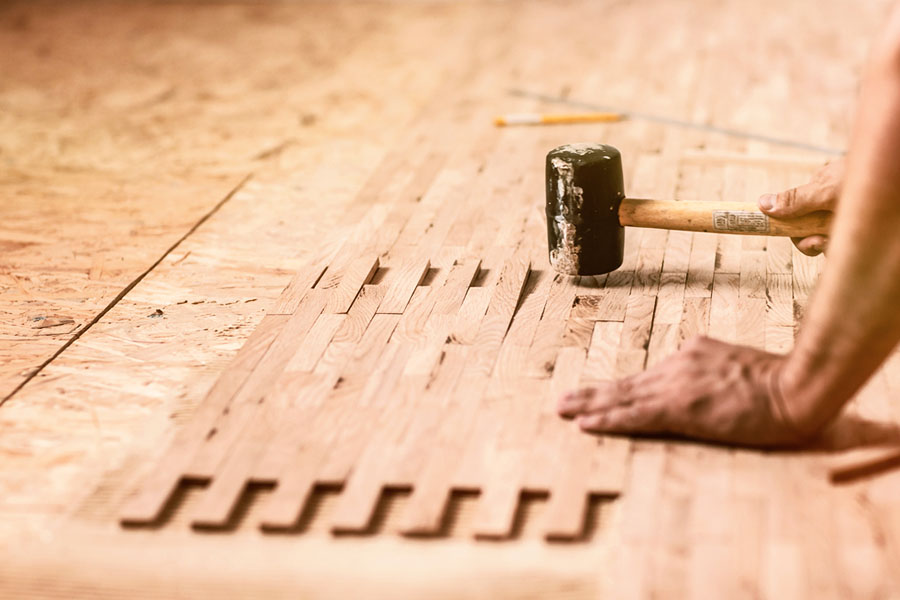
(803, 401)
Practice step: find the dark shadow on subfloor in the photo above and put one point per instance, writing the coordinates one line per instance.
(480, 277)
(312, 510)
(531, 284)
(596, 506)
(456, 517)
(531, 503)
(184, 489)
(389, 504)
(249, 496)
(430, 276)
(590, 282)
(849, 432)
(379, 275)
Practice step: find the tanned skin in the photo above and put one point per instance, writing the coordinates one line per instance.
(718, 392)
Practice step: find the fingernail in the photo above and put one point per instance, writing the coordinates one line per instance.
(767, 202)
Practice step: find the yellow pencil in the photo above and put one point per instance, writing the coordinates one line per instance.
(557, 119)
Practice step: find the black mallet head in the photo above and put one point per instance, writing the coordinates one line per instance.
(584, 190)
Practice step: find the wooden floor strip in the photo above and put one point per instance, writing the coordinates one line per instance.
(147, 503)
(409, 275)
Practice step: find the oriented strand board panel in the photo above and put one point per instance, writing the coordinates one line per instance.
(341, 383)
(69, 249)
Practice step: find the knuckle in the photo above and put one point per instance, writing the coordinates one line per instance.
(695, 346)
(692, 343)
(623, 389)
(787, 199)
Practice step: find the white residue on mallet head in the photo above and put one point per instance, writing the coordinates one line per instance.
(583, 148)
(569, 198)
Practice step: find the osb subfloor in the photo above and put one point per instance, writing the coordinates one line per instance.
(167, 170)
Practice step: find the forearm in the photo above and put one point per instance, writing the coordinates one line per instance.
(853, 321)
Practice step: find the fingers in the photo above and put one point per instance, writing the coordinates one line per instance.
(813, 245)
(611, 408)
(584, 400)
(574, 403)
(644, 417)
(820, 194)
(798, 201)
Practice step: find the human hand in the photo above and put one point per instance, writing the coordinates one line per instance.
(821, 193)
(709, 390)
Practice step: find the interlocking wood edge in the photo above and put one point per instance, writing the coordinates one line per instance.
(358, 417)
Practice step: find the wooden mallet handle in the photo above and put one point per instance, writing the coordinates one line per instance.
(587, 211)
(718, 217)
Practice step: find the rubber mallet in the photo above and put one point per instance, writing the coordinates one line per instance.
(587, 212)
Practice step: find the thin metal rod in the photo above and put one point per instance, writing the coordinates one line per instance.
(677, 122)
